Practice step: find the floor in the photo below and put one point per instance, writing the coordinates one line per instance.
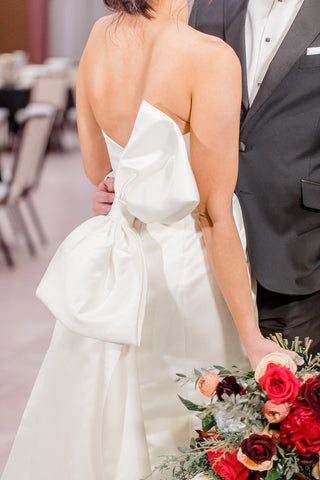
(63, 200)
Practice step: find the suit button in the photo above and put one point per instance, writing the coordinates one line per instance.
(242, 147)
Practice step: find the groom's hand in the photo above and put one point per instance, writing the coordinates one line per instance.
(103, 197)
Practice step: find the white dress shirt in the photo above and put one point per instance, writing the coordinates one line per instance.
(267, 23)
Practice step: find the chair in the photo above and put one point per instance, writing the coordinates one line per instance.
(29, 159)
(4, 114)
(51, 89)
(72, 75)
(6, 251)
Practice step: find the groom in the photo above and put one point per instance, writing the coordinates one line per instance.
(278, 43)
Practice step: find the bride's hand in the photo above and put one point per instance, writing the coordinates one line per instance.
(103, 197)
(258, 348)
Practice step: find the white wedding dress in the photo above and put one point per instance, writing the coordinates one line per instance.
(135, 303)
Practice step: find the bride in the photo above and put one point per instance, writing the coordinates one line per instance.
(137, 294)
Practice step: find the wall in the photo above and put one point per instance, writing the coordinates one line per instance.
(14, 29)
(48, 27)
(70, 22)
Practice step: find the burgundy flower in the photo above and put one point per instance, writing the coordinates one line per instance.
(310, 391)
(301, 430)
(203, 436)
(256, 475)
(229, 386)
(259, 448)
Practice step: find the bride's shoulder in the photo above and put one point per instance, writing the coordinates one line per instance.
(96, 42)
(99, 28)
(204, 45)
(98, 31)
(208, 52)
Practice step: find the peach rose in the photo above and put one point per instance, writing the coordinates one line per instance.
(208, 384)
(275, 412)
(278, 358)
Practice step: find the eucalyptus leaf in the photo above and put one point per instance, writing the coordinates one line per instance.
(208, 422)
(273, 475)
(193, 407)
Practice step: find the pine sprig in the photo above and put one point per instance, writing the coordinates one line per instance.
(194, 459)
(301, 347)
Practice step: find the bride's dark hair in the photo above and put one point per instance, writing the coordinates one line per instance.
(133, 7)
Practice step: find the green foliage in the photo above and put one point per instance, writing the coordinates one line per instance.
(193, 407)
(273, 475)
(235, 418)
(208, 422)
(192, 460)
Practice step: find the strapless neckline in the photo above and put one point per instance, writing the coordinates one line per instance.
(143, 103)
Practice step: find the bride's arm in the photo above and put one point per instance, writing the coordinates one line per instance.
(216, 99)
(93, 147)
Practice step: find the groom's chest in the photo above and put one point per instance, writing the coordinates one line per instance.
(278, 42)
(267, 23)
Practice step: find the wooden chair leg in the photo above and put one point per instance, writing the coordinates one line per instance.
(15, 225)
(24, 229)
(6, 251)
(36, 220)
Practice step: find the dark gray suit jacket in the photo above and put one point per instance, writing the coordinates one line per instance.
(279, 172)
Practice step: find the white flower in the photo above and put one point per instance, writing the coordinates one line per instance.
(228, 424)
(279, 358)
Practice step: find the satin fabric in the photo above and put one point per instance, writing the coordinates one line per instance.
(135, 303)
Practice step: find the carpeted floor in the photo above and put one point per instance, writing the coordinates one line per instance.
(63, 200)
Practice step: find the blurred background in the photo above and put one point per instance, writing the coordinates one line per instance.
(44, 193)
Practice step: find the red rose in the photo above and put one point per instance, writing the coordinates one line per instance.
(301, 430)
(310, 391)
(229, 466)
(280, 383)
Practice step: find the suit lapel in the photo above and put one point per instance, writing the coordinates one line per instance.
(235, 20)
(304, 29)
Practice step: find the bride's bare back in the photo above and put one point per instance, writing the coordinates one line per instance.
(195, 79)
(131, 58)
(136, 60)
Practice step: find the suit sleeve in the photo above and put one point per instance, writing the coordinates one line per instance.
(193, 14)
(208, 17)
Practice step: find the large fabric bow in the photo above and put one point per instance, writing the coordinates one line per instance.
(96, 283)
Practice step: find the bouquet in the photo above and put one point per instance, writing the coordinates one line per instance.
(255, 425)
